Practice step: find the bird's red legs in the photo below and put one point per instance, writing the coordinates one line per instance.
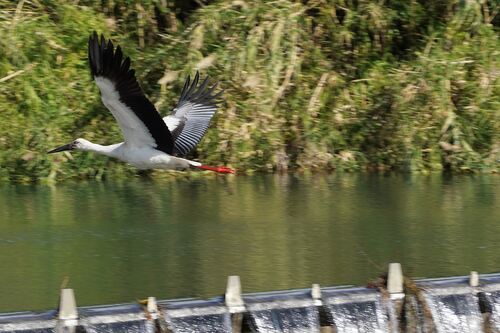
(220, 169)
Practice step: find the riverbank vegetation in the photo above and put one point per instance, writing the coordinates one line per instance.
(309, 85)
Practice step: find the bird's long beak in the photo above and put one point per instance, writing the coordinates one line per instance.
(69, 146)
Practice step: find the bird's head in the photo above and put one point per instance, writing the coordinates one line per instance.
(78, 144)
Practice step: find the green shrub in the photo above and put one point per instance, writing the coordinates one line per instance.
(348, 85)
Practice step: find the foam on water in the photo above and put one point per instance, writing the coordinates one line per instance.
(358, 310)
(493, 299)
(359, 317)
(209, 319)
(28, 323)
(117, 327)
(126, 318)
(454, 310)
(37, 330)
(202, 324)
(289, 312)
(287, 320)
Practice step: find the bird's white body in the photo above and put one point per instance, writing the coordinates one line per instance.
(140, 157)
(149, 158)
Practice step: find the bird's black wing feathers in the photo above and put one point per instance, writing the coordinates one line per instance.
(197, 104)
(108, 63)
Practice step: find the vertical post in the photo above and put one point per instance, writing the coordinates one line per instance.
(395, 281)
(234, 302)
(68, 314)
(152, 315)
(473, 279)
(316, 294)
(152, 307)
(323, 317)
(396, 294)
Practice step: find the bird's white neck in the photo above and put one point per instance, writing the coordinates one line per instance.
(111, 150)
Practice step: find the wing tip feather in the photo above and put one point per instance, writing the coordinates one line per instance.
(202, 94)
(197, 105)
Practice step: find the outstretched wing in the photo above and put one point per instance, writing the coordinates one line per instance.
(137, 117)
(191, 117)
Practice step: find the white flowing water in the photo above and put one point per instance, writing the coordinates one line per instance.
(205, 324)
(359, 313)
(213, 319)
(117, 327)
(292, 320)
(492, 293)
(454, 310)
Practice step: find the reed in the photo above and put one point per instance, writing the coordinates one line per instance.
(325, 85)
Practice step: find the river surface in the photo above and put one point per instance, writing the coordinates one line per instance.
(123, 241)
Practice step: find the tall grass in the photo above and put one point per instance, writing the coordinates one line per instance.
(346, 85)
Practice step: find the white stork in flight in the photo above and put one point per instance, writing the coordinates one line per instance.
(150, 141)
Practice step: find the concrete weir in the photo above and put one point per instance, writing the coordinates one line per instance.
(390, 304)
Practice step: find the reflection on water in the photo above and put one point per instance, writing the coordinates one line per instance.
(122, 241)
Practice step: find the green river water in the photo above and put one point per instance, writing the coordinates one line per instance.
(123, 241)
